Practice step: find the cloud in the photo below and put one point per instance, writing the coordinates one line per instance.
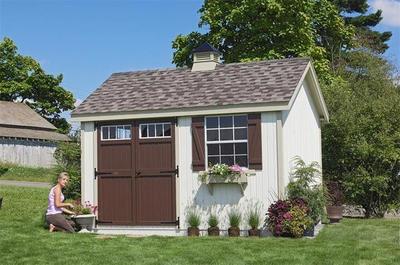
(78, 101)
(390, 11)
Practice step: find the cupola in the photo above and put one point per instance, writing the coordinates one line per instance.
(205, 57)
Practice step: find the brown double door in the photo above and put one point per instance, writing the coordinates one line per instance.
(136, 176)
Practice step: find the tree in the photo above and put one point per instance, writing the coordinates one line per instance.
(361, 143)
(246, 30)
(22, 79)
(355, 12)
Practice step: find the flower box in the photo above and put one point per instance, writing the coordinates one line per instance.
(223, 174)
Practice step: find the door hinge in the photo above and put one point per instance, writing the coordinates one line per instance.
(98, 173)
(177, 173)
(176, 222)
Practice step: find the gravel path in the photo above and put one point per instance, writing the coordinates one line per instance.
(25, 184)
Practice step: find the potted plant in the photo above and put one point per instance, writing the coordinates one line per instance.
(213, 229)
(85, 216)
(193, 219)
(234, 222)
(254, 222)
(334, 197)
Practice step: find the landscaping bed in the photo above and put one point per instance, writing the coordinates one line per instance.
(22, 239)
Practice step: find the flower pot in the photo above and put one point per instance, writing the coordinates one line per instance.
(335, 213)
(213, 231)
(309, 232)
(193, 231)
(1, 201)
(234, 231)
(254, 232)
(85, 221)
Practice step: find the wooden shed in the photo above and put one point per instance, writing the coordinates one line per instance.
(147, 136)
(25, 137)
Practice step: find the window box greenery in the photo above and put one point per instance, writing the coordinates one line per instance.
(224, 174)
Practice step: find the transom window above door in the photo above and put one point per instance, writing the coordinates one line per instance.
(226, 140)
(116, 132)
(155, 130)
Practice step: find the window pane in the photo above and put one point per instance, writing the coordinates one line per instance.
(212, 135)
(213, 149)
(240, 121)
(240, 134)
(167, 129)
(120, 132)
(226, 134)
(225, 121)
(104, 131)
(212, 122)
(159, 130)
(152, 130)
(226, 149)
(241, 149)
(212, 160)
(241, 161)
(143, 128)
(113, 132)
(227, 160)
(127, 131)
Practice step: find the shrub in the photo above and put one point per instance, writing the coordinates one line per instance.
(303, 184)
(289, 217)
(234, 217)
(213, 220)
(193, 218)
(254, 219)
(68, 157)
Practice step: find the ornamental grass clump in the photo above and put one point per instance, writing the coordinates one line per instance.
(254, 221)
(235, 218)
(213, 229)
(194, 221)
(289, 218)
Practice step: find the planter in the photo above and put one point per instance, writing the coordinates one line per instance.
(213, 231)
(234, 231)
(309, 232)
(254, 232)
(335, 213)
(241, 180)
(193, 231)
(1, 201)
(85, 221)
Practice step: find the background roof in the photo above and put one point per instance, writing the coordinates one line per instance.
(19, 120)
(229, 84)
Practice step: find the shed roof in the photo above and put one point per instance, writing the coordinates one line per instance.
(272, 81)
(19, 120)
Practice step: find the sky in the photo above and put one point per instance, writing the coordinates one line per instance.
(87, 40)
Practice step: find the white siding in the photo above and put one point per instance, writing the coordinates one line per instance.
(261, 189)
(31, 153)
(301, 132)
(88, 162)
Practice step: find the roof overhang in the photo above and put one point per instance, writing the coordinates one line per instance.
(209, 110)
(310, 76)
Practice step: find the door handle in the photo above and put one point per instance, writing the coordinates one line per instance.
(138, 173)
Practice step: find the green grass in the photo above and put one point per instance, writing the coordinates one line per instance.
(36, 174)
(24, 241)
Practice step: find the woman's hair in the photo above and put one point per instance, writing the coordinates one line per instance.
(63, 174)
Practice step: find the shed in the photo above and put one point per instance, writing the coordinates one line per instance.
(146, 136)
(25, 137)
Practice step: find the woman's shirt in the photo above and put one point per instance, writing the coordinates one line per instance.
(52, 208)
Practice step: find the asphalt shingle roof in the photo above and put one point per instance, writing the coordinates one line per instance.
(229, 84)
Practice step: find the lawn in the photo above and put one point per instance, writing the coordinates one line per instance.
(24, 241)
(36, 174)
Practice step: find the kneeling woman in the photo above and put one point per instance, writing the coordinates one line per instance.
(54, 215)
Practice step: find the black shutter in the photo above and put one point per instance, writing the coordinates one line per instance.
(198, 152)
(254, 140)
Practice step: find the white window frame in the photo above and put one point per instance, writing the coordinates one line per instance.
(233, 141)
(155, 132)
(116, 132)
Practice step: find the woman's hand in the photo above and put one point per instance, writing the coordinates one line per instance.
(70, 205)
